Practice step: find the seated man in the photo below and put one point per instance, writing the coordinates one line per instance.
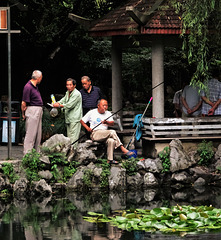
(99, 129)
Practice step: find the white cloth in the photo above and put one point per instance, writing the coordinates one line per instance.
(95, 118)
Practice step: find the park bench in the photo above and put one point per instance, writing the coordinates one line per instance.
(158, 132)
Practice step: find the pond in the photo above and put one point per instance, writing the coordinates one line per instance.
(62, 217)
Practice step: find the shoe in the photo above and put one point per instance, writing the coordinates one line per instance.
(130, 154)
(112, 161)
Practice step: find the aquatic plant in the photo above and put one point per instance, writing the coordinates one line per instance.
(168, 220)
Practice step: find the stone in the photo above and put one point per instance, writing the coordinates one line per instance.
(135, 181)
(179, 158)
(41, 188)
(45, 174)
(58, 143)
(20, 187)
(199, 182)
(181, 177)
(150, 180)
(151, 165)
(76, 181)
(117, 178)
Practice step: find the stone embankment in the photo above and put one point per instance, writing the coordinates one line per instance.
(148, 174)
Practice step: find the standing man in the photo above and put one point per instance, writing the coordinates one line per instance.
(32, 111)
(90, 95)
(72, 105)
(191, 102)
(211, 101)
(99, 129)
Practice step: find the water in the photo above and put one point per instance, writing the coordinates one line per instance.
(62, 218)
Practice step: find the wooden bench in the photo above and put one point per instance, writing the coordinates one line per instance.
(158, 132)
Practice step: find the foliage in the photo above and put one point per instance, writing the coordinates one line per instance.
(105, 173)
(201, 34)
(87, 178)
(130, 165)
(177, 219)
(32, 165)
(60, 168)
(206, 152)
(165, 158)
(8, 170)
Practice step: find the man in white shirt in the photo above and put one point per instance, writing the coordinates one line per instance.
(99, 129)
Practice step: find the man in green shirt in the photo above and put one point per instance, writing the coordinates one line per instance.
(72, 105)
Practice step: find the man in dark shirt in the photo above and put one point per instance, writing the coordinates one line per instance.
(31, 107)
(90, 95)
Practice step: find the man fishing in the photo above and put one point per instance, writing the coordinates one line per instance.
(99, 120)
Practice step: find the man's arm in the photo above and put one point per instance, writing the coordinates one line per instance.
(206, 100)
(212, 110)
(23, 109)
(85, 126)
(185, 105)
(108, 123)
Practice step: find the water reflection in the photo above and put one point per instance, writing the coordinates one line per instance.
(62, 218)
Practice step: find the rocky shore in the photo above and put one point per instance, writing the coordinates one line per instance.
(91, 172)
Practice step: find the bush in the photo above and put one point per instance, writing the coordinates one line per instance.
(206, 152)
(165, 158)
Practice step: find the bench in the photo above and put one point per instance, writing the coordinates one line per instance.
(158, 132)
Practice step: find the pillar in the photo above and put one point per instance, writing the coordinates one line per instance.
(158, 77)
(116, 54)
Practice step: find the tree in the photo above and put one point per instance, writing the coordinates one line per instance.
(201, 21)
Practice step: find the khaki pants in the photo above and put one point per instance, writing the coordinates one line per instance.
(110, 138)
(33, 125)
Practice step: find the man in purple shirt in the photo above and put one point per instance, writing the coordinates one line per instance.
(32, 111)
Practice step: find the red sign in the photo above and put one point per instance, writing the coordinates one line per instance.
(3, 19)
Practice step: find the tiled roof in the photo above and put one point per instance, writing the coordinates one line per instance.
(118, 22)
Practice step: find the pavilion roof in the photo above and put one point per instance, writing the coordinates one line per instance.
(118, 22)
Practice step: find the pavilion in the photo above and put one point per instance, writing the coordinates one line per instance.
(155, 24)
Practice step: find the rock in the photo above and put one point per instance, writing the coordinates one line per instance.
(45, 174)
(149, 194)
(76, 181)
(218, 153)
(150, 180)
(44, 159)
(20, 187)
(58, 143)
(151, 165)
(181, 177)
(135, 181)
(179, 158)
(117, 178)
(200, 182)
(41, 188)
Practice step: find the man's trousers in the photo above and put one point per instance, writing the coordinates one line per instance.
(33, 125)
(110, 138)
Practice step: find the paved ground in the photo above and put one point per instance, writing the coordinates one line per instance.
(16, 152)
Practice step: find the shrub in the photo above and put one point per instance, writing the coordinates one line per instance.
(206, 152)
(165, 158)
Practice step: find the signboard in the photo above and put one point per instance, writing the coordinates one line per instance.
(3, 19)
(5, 131)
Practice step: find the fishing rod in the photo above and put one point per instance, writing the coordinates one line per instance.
(98, 125)
(139, 122)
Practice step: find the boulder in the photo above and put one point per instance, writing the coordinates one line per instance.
(150, 180)
(179, 158)
(41, 188)
(20, 187)
(117, 178)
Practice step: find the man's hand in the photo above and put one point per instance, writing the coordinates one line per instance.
(211, 112)
(56, 105)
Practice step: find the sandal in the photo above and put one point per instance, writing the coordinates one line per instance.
(112, 161)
